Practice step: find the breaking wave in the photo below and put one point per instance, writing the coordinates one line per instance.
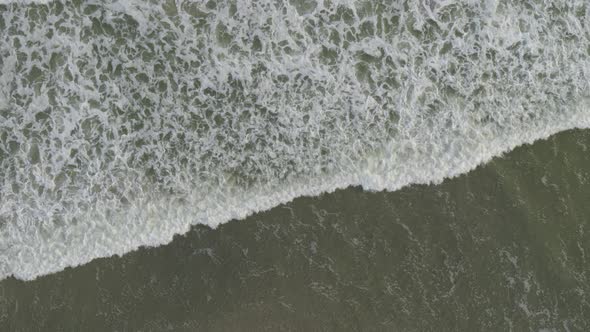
(123, 123)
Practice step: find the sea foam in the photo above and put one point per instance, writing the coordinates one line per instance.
(123, 123)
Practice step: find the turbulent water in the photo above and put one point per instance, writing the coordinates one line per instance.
(123, 123)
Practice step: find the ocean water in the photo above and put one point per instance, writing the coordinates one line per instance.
(124, 123)
(502, 248)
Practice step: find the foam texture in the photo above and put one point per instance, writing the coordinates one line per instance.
(123, 123)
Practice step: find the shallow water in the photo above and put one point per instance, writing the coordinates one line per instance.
(125, 124)
(504, 247)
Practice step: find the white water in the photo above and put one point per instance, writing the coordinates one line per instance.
(124, 123)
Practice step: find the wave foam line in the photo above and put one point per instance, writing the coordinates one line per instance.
(28, 255)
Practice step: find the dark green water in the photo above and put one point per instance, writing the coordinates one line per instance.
(501, 248)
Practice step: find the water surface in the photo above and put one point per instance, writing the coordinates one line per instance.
(504, 247)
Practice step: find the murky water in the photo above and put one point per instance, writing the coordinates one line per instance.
(504, 247)
(215, 165)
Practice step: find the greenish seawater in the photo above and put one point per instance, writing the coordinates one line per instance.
(126, 123)
(501, 248)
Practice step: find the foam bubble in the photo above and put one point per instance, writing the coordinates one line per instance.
(123, 123)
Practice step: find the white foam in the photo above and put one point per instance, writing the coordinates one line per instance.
(25, 2)
(173, 117)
